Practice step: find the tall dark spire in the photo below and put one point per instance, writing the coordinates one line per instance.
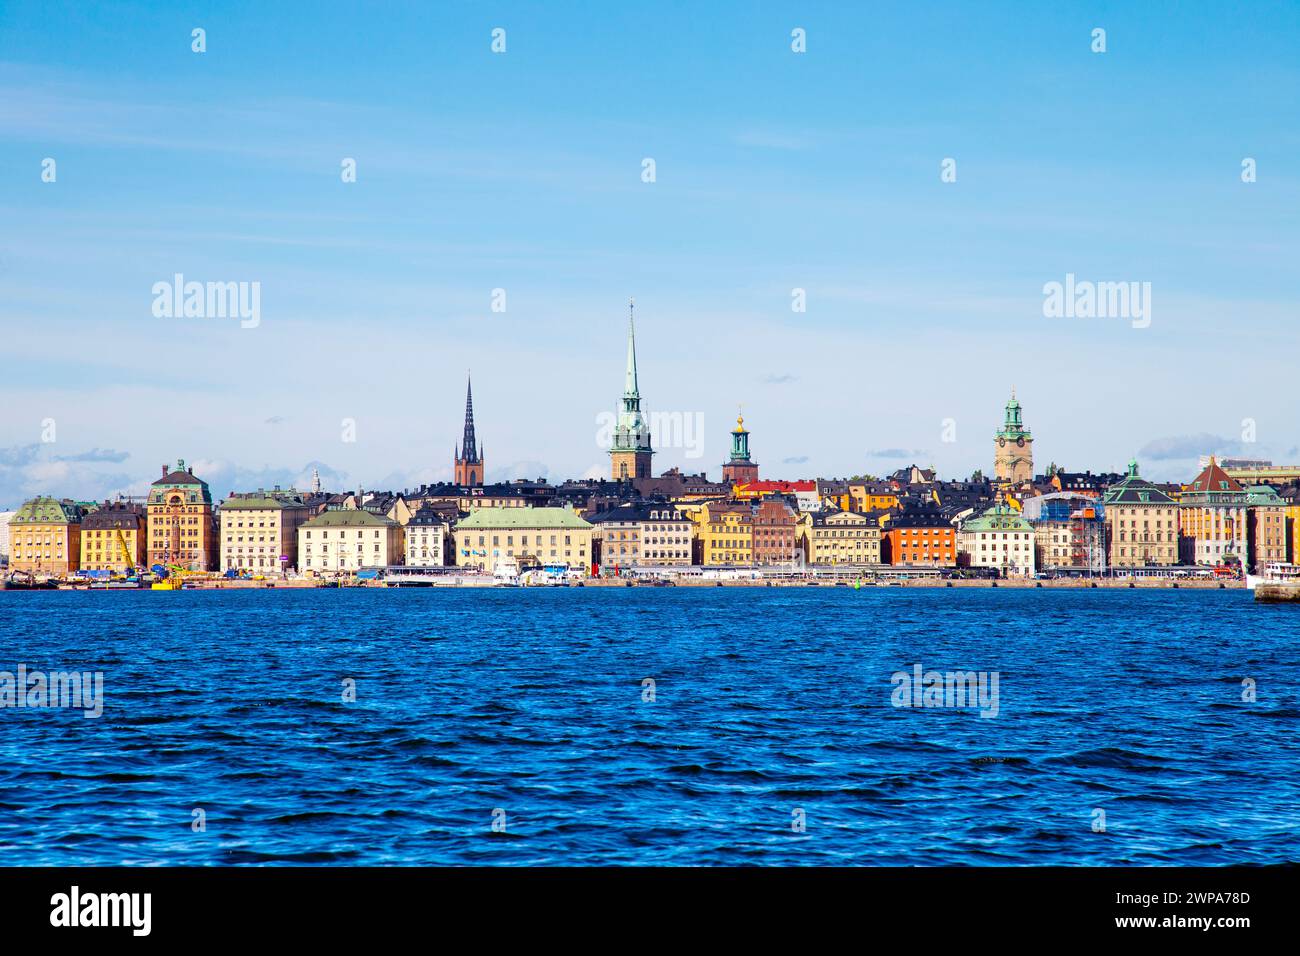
(469, 446)
(468, 468)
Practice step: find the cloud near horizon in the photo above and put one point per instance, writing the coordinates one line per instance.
(30, 470)
(900, 453)
(97, 454)
(1193, 446)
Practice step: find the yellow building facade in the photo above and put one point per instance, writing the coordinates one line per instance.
(1141, 523)
(865, 498)
(45, 537)
(839, 537)
(1291, 514)
(527, 537)
(724, 533)
(113, 538)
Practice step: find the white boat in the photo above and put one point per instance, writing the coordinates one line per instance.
(506, 573)
(544, 578)
(1275, 572)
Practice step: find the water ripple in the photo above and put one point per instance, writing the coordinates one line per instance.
(513, 728)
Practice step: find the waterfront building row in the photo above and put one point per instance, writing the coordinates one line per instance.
(909, 519)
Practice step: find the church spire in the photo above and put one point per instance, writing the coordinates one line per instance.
(631, 450)
(631, 390)
(468, 445)
(469, 457)
(1012, 422)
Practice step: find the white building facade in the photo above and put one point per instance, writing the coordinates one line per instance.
(259, 532)
(345, 541)
(999, 538)
(427, 534)
(4, 535)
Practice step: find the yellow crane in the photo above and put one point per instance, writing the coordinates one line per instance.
(126, 552)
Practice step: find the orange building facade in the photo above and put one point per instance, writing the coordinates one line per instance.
(182, 522)
(921, 538)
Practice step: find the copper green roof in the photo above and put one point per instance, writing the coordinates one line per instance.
(1135, 490)
(1263, 495)
(261, 503)
(1012, 426)
(506, 518)
(45, 510)
(998, 518)
(182, 480)
(349, 518)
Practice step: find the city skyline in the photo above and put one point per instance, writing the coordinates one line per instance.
(310, 476)
(775, 171)
(1159, 463)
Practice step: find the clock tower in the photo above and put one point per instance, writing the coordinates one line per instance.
(1013, 449)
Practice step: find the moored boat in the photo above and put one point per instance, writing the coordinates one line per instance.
(26, 581)
(1275, 572)
(506, 574)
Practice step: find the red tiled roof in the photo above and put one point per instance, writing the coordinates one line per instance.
(779, 486)
(1214, 478)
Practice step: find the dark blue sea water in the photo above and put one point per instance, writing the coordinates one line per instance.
(767, 702)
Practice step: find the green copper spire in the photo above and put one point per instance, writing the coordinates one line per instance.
(1013, 411)
(740, 440)
(630, 390)
(632, 432)
(1012, 425)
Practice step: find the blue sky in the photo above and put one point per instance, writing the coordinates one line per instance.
(522, 171)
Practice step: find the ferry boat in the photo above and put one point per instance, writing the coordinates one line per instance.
(1275, 572)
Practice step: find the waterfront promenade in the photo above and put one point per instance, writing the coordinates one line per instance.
(1103, 583)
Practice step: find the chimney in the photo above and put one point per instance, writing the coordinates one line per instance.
(164, 474)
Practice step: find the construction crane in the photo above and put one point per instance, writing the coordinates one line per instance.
(126, 552)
